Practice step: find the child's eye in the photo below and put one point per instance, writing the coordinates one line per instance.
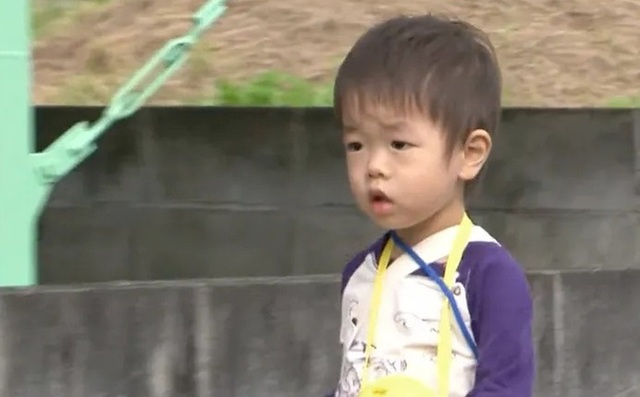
(399, 145)
(354, 146)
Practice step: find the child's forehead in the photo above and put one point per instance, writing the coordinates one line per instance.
(383, 116)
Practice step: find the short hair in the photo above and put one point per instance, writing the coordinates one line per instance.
(446, 69)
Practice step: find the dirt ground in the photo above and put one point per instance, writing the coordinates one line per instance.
(553, 52)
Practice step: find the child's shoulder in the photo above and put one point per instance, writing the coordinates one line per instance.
(356, 260)
(490, 256)
(485, 254)
(485, 261)
(491, 274)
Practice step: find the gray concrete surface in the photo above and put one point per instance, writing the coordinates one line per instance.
(194, 193)
(178, 193)
(277, 337)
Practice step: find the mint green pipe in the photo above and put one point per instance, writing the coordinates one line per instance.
(18, 183)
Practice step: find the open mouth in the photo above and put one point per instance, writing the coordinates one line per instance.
(381, 204)
(378, 197)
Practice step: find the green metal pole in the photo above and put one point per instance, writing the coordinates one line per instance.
(27, 177)
(17, 180)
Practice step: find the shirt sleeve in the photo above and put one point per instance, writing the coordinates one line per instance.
(502, 325)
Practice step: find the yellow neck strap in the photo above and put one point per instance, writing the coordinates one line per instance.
(401, 385)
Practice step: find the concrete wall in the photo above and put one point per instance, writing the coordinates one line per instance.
(177, 193)
(277, 338)
(196, 193)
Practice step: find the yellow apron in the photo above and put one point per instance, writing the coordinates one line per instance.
(398, 385)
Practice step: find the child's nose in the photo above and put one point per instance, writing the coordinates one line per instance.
(377, 166)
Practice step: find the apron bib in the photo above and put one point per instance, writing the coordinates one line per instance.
(398, 385)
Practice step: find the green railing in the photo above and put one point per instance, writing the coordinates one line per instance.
(27, 177)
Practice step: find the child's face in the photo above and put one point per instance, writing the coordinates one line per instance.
(399, 170)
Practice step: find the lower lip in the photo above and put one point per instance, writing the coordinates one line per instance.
(381, 207)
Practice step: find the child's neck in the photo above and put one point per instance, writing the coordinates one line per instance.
(447, 217)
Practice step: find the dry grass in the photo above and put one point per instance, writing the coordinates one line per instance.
(553, 52)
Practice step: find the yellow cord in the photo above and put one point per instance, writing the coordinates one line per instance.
(399, 385)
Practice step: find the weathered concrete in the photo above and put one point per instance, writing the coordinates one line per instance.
(184, 193)
(276, 337)
(176, 193)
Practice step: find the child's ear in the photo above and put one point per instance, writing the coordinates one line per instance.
(475, 152)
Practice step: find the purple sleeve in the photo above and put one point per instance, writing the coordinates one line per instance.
(356, 261)
(351, 268)
(502, 310)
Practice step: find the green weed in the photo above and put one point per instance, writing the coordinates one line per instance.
(273, 89)
(624, 102)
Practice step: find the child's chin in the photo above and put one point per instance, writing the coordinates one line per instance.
(390, 222)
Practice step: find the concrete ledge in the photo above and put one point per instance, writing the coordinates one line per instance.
(275, 337)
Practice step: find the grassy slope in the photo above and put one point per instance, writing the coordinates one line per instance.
(553, 53)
